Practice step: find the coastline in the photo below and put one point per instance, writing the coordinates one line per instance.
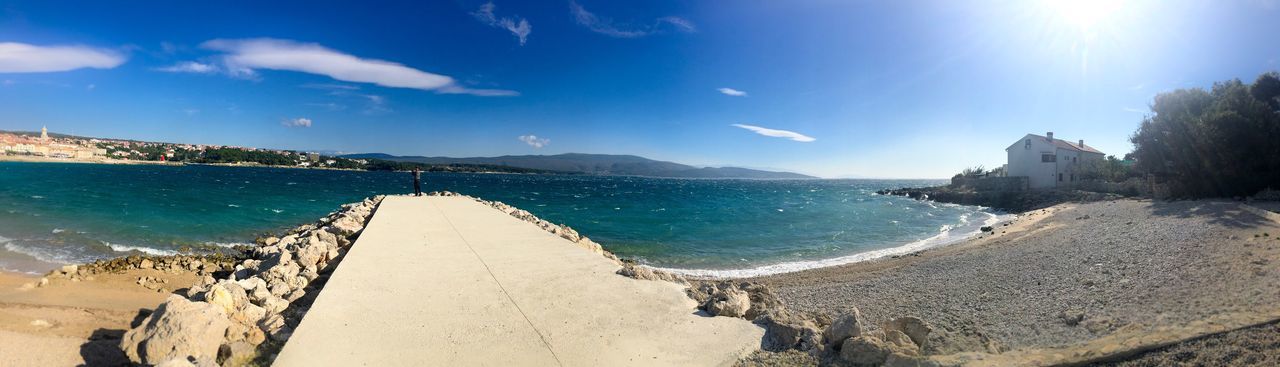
(1070, 279)
(1085, 282)
(943, 239)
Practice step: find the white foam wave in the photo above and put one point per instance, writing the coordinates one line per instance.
(145, 250)
(58, 230)
(946, 237)
(228, 244)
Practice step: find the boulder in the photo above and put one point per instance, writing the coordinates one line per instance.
(783, 332)
(763, 300)
(177, 329)
(914, 327)
(847, 325)
(901, 343)
(346, 226)
(731, 302)
(864, 350)
(239, 353)
(227, 294)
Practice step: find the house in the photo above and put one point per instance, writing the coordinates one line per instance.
(1049, 162)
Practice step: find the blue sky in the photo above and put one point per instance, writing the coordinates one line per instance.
(831, 88)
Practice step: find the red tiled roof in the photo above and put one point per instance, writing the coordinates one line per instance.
(1069, 145)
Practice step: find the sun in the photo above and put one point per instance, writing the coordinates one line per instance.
(1083, 14)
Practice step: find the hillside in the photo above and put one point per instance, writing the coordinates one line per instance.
(600, 164)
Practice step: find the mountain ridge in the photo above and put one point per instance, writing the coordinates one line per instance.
(600, 164)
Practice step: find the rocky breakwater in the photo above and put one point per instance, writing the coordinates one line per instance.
(230, 316)
(1012, 201)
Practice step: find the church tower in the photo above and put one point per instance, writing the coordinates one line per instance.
(44, 133)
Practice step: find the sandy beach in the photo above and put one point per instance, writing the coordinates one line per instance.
(1062, 276)
(67, 323)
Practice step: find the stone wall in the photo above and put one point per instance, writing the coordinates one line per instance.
(1017, 183)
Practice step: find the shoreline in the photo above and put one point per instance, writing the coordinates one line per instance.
(1073, 283)
(938, 241)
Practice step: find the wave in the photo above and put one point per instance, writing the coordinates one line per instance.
(229, 244)
(58, 230)
(145, 250)
(946, 237)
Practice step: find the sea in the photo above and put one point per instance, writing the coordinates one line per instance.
(59, 213)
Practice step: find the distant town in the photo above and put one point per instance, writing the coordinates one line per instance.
(30, 146)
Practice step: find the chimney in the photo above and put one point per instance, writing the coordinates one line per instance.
(1081, 143)
(1049, 135)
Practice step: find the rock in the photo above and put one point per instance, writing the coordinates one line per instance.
(43, 282)
(763, 300)
(783, 332)
(1071, 317)
(238, 353)
(900, 343)
(274, 305)
(146, 264)
(645, 273)
(987, 229)
(346, 226)
(730, 302)
(70, 269)
(177, 329)
(847, 325)
(914, 327)
(863, 350)
(220, 296)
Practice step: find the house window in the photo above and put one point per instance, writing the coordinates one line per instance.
(1059, 177)
(1046, 158)
(1073, 159)
(1027, 145)
(1073, 177)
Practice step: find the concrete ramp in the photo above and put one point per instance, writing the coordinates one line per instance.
(447, 281)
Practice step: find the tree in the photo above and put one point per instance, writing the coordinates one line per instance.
(1221, 142)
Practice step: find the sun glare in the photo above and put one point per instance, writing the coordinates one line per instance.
(1083, 14)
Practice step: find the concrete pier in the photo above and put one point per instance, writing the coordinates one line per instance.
(447, 281)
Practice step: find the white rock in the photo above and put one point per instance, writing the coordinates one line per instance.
(177, 329)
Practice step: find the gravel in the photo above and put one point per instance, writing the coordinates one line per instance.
(1076, 272)
(1256, 346)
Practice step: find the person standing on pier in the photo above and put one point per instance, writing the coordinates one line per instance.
(417, 181)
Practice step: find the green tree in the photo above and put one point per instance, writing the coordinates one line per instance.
(1221, 142)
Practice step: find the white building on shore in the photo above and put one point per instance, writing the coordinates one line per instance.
(1049, 162)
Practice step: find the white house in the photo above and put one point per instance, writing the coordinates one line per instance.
(1048, 162)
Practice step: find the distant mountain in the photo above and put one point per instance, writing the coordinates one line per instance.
(600, 164)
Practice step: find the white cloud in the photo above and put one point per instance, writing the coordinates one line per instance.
(534, 141)
(517, 26)
(732, 92)
(298, 122)
(607, 26)
(24, 58)
(246, 55)
(190, 67)
(777, 133)
(1134, 110)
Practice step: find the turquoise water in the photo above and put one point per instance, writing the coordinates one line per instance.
(52, 213)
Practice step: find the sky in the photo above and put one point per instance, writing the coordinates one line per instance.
(880, 89)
